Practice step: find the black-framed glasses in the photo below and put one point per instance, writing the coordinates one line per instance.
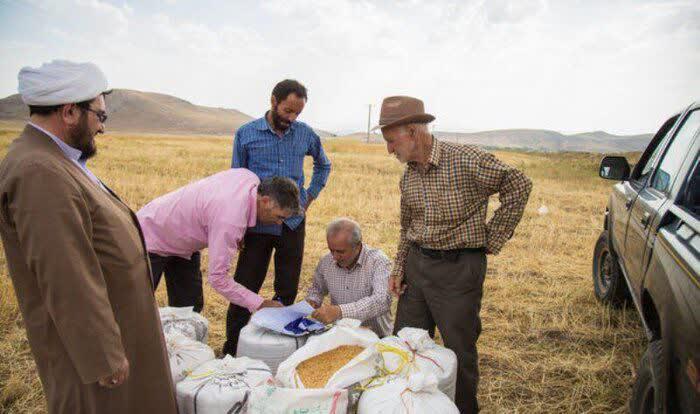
(101, 115)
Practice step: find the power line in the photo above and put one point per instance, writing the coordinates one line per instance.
(369, 119)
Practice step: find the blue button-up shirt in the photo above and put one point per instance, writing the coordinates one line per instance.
(72, 154)
(258, 148)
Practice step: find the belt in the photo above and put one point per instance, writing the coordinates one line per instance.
(451, 255)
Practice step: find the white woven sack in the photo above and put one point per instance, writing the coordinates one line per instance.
(268, 346)
(186, 321)
(185, 354)
(345, 332)
(416, 394)
(221, 386)
(272, 399)
(424, 355)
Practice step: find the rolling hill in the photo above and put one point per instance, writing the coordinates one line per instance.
(550, 141)
(147, 112)
(537, 140)
(154, 113)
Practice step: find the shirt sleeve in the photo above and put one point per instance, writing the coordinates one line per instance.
(54, 228)
(379, 301)
(240, 156)
(404, 245)
(513, 188)
(318, 289)
(322, 166)
(223, 241)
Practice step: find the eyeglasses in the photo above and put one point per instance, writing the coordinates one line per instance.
(101, 115)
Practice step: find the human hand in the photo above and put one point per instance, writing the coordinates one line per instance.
(396, 286)
(269, 303)
(308, 203)
(327, 314)
(313, 304)
(118, 377)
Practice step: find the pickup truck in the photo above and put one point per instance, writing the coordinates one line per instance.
(649, 254)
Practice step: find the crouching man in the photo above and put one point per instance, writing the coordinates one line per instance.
(214, 212)
(355, 276)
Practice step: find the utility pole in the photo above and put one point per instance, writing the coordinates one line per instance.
(369, 118)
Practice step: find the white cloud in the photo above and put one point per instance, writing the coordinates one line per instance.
(620, 66)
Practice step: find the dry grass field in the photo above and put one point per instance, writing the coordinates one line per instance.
(546, 346)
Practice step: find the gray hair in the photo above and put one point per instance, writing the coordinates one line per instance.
(348, 225)
(420, 127)
(283, 190)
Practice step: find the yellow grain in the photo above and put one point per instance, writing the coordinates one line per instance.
(316, 371)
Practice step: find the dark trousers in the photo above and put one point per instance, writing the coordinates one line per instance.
(447, 293)
(251, 270)
(183, 278)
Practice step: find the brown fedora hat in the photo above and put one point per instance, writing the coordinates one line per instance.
(402, 110)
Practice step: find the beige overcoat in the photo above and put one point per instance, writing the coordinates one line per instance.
(79, 267)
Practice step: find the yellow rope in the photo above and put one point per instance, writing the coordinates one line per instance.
(384, 373)
(204, 375)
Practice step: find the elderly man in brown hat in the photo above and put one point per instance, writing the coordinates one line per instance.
(76, 256)
(440, 265)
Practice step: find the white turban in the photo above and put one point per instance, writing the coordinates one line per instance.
(61, 82)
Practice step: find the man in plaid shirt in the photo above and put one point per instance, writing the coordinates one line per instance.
(441, 260)
(355, 276)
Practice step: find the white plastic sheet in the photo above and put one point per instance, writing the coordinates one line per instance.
(185, 354)
(221, 386)
(419, 353)
(185, 321)
(268, 346)
(272, 399)
(416, 394)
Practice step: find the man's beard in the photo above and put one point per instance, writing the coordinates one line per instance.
(278, 123)
(83, 140)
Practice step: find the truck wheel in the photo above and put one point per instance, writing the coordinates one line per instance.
(649, 390)
(608, 281)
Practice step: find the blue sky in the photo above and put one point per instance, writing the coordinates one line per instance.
(572, 66)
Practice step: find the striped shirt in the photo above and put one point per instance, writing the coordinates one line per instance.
(361, 292)
(258, 148)
(444, 207)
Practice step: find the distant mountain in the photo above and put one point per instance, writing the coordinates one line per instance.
(550, 141)
(537, 140)
(147, 112)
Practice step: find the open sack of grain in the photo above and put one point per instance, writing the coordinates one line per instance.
(185, 354)
(412, 350)
(268, 346)
(185, 321)
(221, 386)
(416, 394)
(338, 358)
(271, 398)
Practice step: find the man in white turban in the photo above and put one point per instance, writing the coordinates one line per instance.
(76, 255)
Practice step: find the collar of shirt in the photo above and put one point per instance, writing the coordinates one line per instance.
(360, 259)
(70, 152)
(262, 125)
(433, 158)
(74, 155)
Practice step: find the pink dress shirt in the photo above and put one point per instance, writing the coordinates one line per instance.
(214, 212)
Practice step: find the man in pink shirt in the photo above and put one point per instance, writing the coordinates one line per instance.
(214, 212)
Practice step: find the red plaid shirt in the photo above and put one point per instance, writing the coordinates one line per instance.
(444, 207)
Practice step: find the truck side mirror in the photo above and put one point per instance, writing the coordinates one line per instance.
(614, 168)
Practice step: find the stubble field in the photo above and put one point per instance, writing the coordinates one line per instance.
(547, 346)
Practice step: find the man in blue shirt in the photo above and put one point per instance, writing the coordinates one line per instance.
(275, 145)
